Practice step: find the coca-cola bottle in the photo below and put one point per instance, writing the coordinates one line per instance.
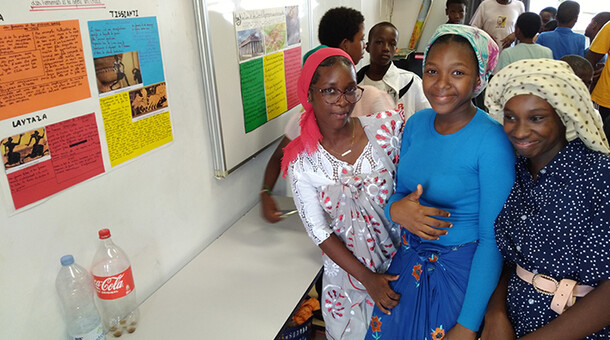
(116, 292)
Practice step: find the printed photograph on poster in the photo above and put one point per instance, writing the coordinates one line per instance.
(260, 31)
(117, 71)
(52, 159)
(147, 100)
(275, 37)
(251, 44)
(42, 65)
(16, 155)
(293, 25)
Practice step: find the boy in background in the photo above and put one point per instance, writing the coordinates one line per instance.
(547, 14)
(601, 92)
(563, 41)
(581, 67)
(455, 10)
(550, 26)
(596, 24)
(405, 87)
(343, 28)
(526, 28)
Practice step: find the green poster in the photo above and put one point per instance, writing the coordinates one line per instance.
(253, 93)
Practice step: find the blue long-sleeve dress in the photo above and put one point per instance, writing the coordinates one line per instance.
(469, 174)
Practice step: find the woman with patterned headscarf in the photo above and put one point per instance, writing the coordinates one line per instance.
(454, 174)
(341, 170)
(554, 230)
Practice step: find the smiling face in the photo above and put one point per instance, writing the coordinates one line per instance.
(382, 45)
(534, 129)
(450, 76)
(338, 76)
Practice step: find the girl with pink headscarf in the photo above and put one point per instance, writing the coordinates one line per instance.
(341, 170)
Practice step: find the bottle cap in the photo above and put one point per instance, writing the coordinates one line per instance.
(104, 233)
(67, 260)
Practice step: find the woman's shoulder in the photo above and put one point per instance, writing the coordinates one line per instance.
(305, 163)
(588, 168)
(423, 113)
(373, 100)
(486, 122)
(596, 162)
(380, 118)
(385, 127)
(489, 132)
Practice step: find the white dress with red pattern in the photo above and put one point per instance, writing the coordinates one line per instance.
(333, 196)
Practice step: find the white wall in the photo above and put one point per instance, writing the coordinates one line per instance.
(162, 209)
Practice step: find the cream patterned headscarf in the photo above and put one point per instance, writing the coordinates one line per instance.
(555, 82)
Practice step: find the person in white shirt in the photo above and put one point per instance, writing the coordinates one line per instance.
(405, 87)
(497, 18)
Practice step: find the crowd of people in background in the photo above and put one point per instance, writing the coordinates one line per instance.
(445, 210)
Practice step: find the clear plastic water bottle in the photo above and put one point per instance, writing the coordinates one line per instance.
(115, 288)
(75, 288)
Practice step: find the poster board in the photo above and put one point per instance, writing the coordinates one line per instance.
(232, 141)
(82, 91)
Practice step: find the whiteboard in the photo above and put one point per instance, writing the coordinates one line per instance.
(232, 145)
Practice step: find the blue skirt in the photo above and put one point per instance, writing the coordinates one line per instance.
(432, 283)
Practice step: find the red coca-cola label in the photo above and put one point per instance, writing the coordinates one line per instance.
(114, 287)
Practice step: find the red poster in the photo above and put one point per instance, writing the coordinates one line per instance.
(62, 155)
(292, 67)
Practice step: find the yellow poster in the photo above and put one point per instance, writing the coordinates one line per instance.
(130, 133)
(275, 85)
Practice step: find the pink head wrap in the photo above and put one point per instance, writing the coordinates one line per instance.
(310, 133)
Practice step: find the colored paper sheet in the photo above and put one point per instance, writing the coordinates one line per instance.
(42, 66)
(130, 135)
(275, 85)
(63, 154)
(292, 68)
(123, 36)
(137, 121)
(253, 93)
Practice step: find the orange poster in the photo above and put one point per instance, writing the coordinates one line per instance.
(42, 66)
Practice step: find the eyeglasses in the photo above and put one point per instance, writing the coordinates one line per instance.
(332, 95)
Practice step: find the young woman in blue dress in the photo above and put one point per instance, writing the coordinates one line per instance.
(455, 170)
